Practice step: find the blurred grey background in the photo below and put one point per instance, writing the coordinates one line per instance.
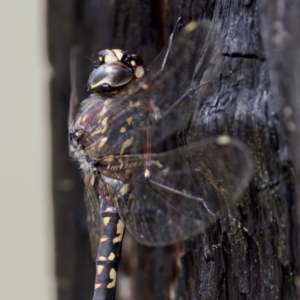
(26, 233)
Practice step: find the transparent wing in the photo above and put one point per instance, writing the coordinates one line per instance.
(93, 213)
(195, 57)
(187, 190)
(176, 92)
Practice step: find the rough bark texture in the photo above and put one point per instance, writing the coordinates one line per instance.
(251, 253)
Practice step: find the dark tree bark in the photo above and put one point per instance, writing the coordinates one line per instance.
(253, 251)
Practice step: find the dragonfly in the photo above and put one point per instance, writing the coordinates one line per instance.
(138, 170)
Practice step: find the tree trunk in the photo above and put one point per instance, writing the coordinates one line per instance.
(253, 251)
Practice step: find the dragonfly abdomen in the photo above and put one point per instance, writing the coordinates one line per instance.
(108, 256)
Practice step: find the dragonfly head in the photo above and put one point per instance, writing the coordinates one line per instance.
(115, 69)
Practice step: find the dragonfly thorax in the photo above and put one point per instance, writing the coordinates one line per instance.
(96, 133)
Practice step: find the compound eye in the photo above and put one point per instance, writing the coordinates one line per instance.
(109, 77)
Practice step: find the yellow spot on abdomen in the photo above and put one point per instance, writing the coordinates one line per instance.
(102, 258)
(97, 285)
(113, 277)
(99, 269)
(120, 231)
(109, 209)
(106, 220)
(111, 256)
(123, 129)
(103, 239)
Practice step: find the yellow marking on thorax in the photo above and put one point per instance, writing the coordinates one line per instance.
(123, 129)
(83, 119)
(127, 172)
(104, 108)
(103, 111)
(124, 189)
(99, 269)
(97, 285)
(102, 142)
(113, 277)
(126, 145)
(129, 121)
(108, 159)
(104, 121)
(103, 129)
(120, 231)
(108, 101)
(106, 220)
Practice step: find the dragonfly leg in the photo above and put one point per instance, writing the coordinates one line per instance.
(74, 100)
(161, 59)
(109, 253)
(177, 25)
